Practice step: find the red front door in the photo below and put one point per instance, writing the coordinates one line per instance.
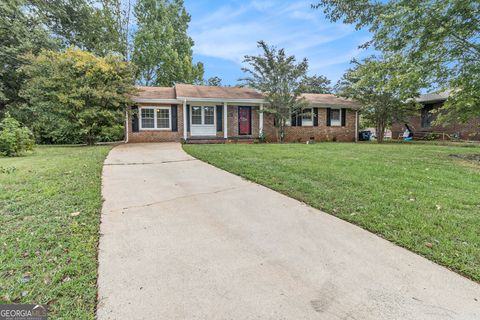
(244, 120)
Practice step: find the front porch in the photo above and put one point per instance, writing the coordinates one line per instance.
(210, 122)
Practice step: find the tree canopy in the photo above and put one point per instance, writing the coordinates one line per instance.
(316, 84)
(33, 31)
(279, 77)
(162, 47)
(384, 95)
(20, 33)
(442, 37)
(214, 81)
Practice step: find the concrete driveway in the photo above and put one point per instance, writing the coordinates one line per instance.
(184, 240)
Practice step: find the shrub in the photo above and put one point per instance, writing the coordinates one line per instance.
(14, 139)
(114, 133)
(75, 96)
(432, 136)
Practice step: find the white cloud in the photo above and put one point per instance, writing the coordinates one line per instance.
(232, 32)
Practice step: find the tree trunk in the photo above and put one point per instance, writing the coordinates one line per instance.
(282, 130)
(380, 128)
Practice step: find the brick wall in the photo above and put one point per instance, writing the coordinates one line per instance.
(320, 133)
(293, 134)
(158, 135)
(467, 131)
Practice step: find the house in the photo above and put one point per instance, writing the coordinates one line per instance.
(423, 125)
(190, 112)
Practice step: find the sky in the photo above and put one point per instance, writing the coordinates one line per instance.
(225, 31)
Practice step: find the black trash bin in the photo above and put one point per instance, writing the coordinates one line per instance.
(365, 135)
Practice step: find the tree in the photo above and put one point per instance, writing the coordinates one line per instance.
(382, 89)
(214, 81)
(28, 26)
(92, 25)
(75, 96)
(115, 16)
(279, 77)
(162, 48)
(316, 84)
(19, 33)
(440, 36)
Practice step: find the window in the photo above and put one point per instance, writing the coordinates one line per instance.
(209, 116)
(427, 117)
(204, 115)
(155, 118)
(163, 118)
(335, 117)
(148, 118)
(307, 117)
(196, 115)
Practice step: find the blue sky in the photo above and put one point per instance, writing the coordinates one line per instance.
(225, 31)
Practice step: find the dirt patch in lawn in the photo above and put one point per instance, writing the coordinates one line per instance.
(470, 157)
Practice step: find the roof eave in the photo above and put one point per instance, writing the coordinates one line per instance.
(222, 100)
(154, 100)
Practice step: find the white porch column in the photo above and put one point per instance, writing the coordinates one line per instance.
(260, 122)
(225, 122)
(185, 119)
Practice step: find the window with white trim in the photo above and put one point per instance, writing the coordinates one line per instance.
(335, 117)
(209, 116)
(196, 115)
(155, 118)
(203, 115)
(307, 117)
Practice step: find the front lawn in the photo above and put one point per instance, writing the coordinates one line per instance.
(417, 196)
(50, 204)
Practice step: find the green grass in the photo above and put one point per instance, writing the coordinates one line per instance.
(41, 239)
(416, 196)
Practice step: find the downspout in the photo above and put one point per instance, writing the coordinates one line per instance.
(126, 125)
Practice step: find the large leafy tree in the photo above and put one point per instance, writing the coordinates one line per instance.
(384, 91)
(316, 84)
(75, 96)
(97, 26)
(279, 77)
(162, 48)
(20, 33)
(28, 26)
(440, 36)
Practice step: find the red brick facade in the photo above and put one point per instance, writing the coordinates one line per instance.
(157, 135)
(322, 132)
(465, 131)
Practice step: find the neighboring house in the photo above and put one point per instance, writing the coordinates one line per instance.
(422, 123)
(189, 112)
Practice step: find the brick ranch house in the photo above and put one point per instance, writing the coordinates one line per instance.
(185, 113)
(423, 125)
